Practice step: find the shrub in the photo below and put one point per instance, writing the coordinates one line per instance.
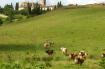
(102, 63)
(20, 17)
(1, 22)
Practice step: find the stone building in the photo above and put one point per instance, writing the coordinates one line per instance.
(42, 3)
(24, 5)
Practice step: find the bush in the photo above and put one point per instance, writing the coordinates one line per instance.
(102, 63)
(24, 12)
(1, 22)
(20, 17)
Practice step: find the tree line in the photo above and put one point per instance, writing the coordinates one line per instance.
(14, 13)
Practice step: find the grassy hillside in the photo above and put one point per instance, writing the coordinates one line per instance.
(76, 29)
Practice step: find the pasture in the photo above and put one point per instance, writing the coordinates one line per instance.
(76, 29)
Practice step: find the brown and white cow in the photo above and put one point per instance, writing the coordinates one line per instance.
(79, 60)
(81, 57)
(48, 44)
(50, 52)
(73, 55)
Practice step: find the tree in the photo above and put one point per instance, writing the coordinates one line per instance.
(26, 11)
(29, 8)
(17, 6)
(12, 6)
(1, 9)
(9, 11)
(37, 9)
(59, 4)
(1, 22)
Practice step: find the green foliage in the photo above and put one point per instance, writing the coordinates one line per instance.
(29, 8)
(19, 17)
(37, 10)
(59, 4)
(28, 11)
(69, 28)
(1, 22)
(9, 11)
(1, 9)
(24, 12)
(102, 63)
(17, 6)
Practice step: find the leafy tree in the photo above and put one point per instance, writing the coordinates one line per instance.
(9, 11)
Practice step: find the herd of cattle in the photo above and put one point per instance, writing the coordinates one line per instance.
(77, 57)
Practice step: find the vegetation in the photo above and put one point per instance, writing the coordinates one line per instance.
(17, 6)
(59, 4)
(1, 9)
(102, 63)
(69, 28)
(28, 11)
(9, 11)
(1, 22)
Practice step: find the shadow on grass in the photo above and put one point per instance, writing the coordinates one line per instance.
(14, 47)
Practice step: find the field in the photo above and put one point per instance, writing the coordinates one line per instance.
(76, 29)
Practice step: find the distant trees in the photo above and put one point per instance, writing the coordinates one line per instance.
(37, 9)
(14, 14)
(17, 6)
(59, 4)
(1, 9)
(28, 8)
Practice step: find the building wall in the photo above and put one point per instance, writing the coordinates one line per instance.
(42, 3)
(24, 5)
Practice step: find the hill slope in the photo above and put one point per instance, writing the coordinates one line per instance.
(82, 27)
(76, 29)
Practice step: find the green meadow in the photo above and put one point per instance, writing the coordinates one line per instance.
(76, 29)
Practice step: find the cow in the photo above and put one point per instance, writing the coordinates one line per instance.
(81, 57)
(103, 55)
(64, 51)
(50, 52)
(79, 60)
(48, 44)
(83, 54)
(73, 55)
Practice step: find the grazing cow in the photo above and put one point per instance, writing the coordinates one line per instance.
(64, 51)
(103, 55)
(83, 54)
(81, 57)
(48, 44)
(50, 52)
(79, 60)
(73, 55)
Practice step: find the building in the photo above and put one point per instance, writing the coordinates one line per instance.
(42, 3)
(24, 5)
